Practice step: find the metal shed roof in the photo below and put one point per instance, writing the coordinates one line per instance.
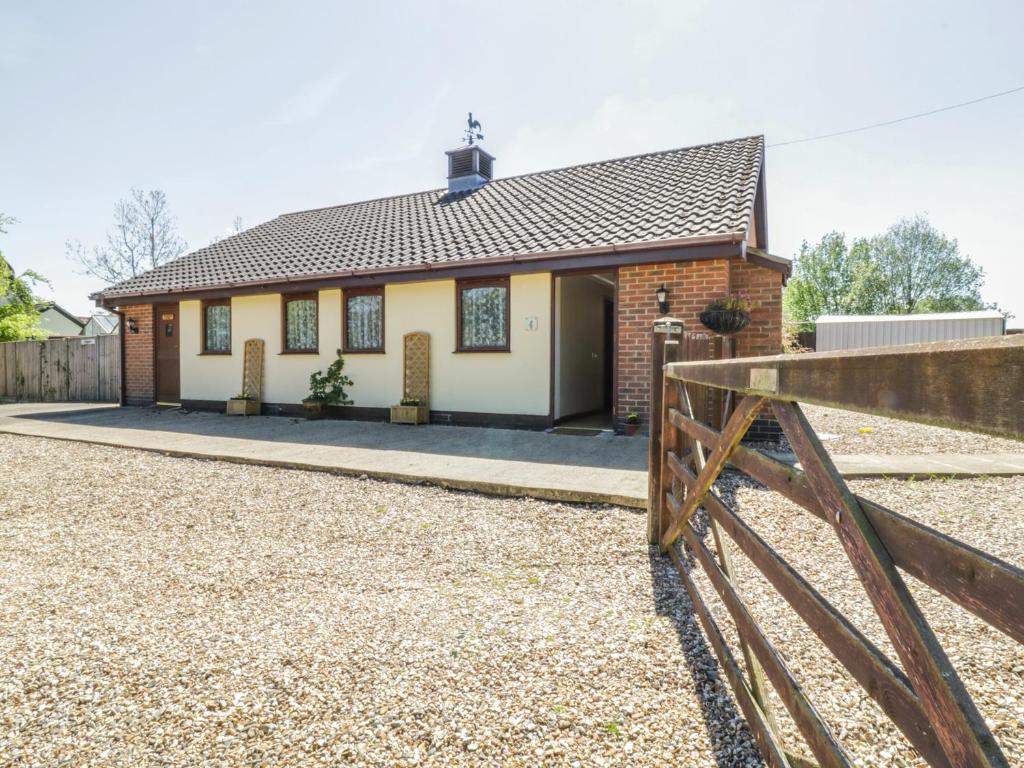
(984, 314)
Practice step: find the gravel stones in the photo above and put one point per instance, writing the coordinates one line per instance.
(982, 512)
(841, 433)
(166, 611)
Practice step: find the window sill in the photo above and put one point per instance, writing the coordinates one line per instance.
(363, 352)
(215, 354)
(299, 352)
(492, 350)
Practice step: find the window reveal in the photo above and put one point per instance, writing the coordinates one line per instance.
(364, 321)
(300, 324)
(217, 327)
(483, 316)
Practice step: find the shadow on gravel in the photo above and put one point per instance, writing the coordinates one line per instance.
(733, 744)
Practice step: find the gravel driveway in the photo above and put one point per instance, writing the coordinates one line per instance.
(163, 611)
(841, 432)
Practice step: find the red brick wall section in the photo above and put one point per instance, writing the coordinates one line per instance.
(691, 285)
(138, 355)
(764, 334)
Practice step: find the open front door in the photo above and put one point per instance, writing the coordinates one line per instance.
(168, 354)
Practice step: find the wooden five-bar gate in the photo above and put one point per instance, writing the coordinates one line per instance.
(970, 385)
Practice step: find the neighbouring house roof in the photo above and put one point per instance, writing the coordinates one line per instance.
(682, 196)
(57, 321)
(99, 325)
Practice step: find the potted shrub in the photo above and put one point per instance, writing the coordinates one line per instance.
(243, 404)
(327, 389)
(632, 424)
(410, 411)
(727, 315)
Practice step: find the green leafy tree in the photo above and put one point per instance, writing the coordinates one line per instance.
(828, 279)
(910, 268)
(915, 268)
(19, 313)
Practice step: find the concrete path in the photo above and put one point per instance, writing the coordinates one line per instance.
(604, 469)
(865, 465)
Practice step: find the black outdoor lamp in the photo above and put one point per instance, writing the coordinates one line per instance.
(133, 327)
(662, 294)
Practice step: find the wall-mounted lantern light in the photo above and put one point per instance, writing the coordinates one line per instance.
(133, 326)
(662, 294)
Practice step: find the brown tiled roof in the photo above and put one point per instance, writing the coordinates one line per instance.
(697, 191)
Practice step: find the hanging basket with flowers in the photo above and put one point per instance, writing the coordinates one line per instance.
(727, 315)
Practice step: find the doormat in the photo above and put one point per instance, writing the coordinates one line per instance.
(578, 431)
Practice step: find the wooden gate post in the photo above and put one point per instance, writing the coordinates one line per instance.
(665, 336)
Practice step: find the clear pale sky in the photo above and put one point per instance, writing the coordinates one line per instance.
(254, 109)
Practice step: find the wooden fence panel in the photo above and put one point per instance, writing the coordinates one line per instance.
(84, 369)
(29, 374)
(76, 369)
(53, 370)
(10, 370)
(109, 368)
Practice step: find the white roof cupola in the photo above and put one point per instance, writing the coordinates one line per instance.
(469, 167)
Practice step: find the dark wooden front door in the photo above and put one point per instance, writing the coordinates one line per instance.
(168, 353)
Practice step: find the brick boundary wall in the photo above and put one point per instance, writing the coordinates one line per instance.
(691, 285)
(139, 355)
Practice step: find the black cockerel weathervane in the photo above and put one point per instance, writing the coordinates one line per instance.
(473, 131)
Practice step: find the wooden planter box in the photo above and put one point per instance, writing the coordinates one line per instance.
(238, 407)
(410, 414)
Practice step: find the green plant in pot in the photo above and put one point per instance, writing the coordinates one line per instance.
(327, 389)
(727, 315)
(632, 424)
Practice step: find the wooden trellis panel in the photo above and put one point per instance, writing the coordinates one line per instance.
(416, 369)
(252, 369)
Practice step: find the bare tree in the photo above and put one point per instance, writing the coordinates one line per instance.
(144, 237)
(234, 229)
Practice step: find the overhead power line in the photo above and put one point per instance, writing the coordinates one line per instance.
(899, 119)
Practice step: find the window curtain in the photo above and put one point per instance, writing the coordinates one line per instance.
(300, 321)
(365, 322)
(483, 317)
(218, 328)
